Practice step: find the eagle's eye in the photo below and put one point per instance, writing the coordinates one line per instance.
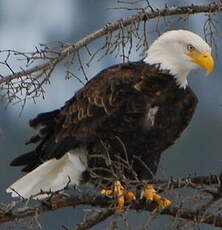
(190, 48)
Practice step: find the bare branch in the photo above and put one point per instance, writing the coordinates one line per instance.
(38, 66)
(146, 16)
(57, 201)
(60, 201)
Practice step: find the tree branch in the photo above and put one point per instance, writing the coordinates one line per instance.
(111, 27)
(60, 201)
(21, 210)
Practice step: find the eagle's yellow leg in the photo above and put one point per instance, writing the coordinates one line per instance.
(120, 193)
(150, 195)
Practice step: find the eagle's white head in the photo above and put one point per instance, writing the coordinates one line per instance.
(180, 51)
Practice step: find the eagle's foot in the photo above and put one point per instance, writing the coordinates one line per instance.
(121, 194)
(151, 195)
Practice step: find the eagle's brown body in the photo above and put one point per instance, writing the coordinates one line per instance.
(125, 117)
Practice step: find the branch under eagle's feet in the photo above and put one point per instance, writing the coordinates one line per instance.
(121, 194)
(151, 195)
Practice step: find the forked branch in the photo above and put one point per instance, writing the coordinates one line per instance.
(111, 27)
(24, 209)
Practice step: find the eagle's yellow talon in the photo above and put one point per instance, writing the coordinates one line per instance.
(151, 195)
(164, 203)
(106, 192)
(120, 193)
(130, 196)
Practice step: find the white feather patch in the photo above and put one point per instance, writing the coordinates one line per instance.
(150, 116)
(52, 175)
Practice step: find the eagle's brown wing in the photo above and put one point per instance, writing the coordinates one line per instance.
(78, 120)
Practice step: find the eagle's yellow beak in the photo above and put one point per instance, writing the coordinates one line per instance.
(205, 60)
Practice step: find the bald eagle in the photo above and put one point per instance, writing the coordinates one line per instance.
(116, 126)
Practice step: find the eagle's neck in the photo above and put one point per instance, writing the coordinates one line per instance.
(180, 73)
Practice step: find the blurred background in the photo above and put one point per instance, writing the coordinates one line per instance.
(26, 23)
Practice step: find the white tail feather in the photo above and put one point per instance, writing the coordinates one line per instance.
(52, 175)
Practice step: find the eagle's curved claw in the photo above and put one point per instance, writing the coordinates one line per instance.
(151, 195)
(121, 194)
